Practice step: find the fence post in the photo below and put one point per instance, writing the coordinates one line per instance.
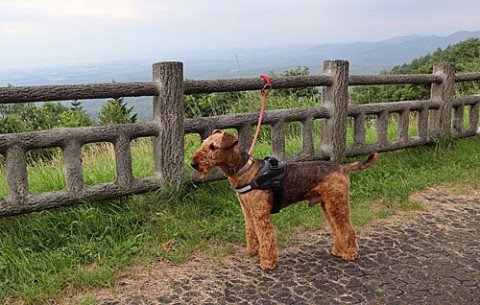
(168, 146)
(335, 99)
(441, 119)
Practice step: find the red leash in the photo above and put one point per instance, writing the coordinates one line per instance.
(262, 110)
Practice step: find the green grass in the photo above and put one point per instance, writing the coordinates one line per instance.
(45, 255)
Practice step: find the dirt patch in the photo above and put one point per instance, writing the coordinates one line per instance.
(429, 196)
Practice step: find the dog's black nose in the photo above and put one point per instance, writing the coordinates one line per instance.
(194, 165)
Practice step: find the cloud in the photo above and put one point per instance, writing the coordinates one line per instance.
(74, 29)
(110, 9)
(17, 28)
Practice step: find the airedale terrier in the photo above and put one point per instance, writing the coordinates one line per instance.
(318, 182)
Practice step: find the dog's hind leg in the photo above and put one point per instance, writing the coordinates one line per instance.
(345, 240)
(335, 191)
(326, 214)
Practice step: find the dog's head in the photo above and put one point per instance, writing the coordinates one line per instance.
(219, 149)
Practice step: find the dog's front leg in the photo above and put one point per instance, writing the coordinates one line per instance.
(268, 241)
(264, 229)
(252, 239)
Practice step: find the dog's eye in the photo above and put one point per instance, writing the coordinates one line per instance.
(212, 147)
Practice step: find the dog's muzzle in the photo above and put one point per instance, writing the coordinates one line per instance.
(195, 165)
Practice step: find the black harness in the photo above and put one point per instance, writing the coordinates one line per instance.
(269, 177)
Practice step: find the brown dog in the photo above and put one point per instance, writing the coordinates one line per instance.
(317, 182)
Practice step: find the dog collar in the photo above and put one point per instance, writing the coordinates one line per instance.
(244, 167)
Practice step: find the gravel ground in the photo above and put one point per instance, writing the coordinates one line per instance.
(431, 258)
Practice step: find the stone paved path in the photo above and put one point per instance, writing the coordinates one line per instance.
(433, 258)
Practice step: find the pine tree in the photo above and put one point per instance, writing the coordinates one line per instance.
(115, 111)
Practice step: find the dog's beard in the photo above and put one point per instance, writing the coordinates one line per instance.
(201, 175)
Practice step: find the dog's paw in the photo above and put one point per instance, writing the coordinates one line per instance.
(268, 265)
(349, 256)
(252, 247)
(336, 252)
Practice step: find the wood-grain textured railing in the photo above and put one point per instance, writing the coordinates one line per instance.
(439, 117)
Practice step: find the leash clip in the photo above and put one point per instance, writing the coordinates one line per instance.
(267, 85)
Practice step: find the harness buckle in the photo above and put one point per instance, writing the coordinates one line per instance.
(272, 161)
(276, 184)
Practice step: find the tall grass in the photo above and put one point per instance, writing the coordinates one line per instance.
(47, 254)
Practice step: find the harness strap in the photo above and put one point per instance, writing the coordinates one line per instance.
(270, 177)
(245, 189)
(277, 200)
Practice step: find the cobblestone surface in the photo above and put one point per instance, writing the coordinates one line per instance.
(433, 258)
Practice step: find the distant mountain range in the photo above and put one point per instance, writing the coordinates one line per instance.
(390, 52)
(364, 58)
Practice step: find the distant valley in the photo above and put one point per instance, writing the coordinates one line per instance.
(364, 58)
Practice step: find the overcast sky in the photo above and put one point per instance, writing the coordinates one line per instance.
(59, 31)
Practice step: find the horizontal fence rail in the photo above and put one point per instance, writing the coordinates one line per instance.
(198, 125)
(23, 94)
(440, 116)
(395, 79)
(83, 135)
(467, 77)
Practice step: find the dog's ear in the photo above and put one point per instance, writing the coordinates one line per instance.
(217, 131)
(228, 140)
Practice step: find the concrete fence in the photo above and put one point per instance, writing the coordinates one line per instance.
(439, 117)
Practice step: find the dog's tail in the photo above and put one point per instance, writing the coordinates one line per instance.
(361, 165)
